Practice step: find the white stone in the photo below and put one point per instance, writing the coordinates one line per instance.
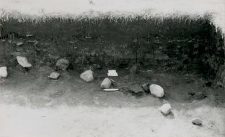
(23, 61)
(62, 63)
(29, 35)
(54, 75)
(19, 43)
(87, 76)
(156, 90)
(3, 72)
(165, 109)
(106, 83)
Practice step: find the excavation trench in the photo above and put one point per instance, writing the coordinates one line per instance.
(183, 55)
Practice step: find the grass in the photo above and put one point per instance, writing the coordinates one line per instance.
(130, 9)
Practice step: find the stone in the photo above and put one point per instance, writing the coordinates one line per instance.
(165, 109)
(54, 75)
(23, 61)
(3, 72)
(106, 83)
(145, 87)
(87, 76)
(197, 122)
(156, 90)
(62, 64)
(19, 43)
(29, 35)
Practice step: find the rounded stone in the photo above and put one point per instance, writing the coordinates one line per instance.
(106, 83)
(156, 90)
(87, 76)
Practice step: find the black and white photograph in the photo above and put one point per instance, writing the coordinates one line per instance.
(112, 68)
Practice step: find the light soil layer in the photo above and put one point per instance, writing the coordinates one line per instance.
(84, 121)
(31, 105)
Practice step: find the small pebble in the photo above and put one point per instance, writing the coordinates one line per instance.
(197, 122)
(54, 75)
(165, 109)
(19, 43)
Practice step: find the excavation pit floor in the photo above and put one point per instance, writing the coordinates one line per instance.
(31, 105)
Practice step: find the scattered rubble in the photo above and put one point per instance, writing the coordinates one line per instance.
(87, 76)
(62, 64)
(23, 61)
(106, 83)
(165, 109)
(197, 122)
(54, 75)
(156, 90)
(3, 72)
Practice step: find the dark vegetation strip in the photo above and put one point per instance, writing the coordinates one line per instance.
(182, 43)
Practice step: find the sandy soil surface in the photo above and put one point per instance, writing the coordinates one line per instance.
(31, 105)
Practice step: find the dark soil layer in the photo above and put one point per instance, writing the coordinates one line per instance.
(179, 44)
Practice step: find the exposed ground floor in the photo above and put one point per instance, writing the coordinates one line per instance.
(31, 105)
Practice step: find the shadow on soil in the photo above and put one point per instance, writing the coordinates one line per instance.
(36, 90)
